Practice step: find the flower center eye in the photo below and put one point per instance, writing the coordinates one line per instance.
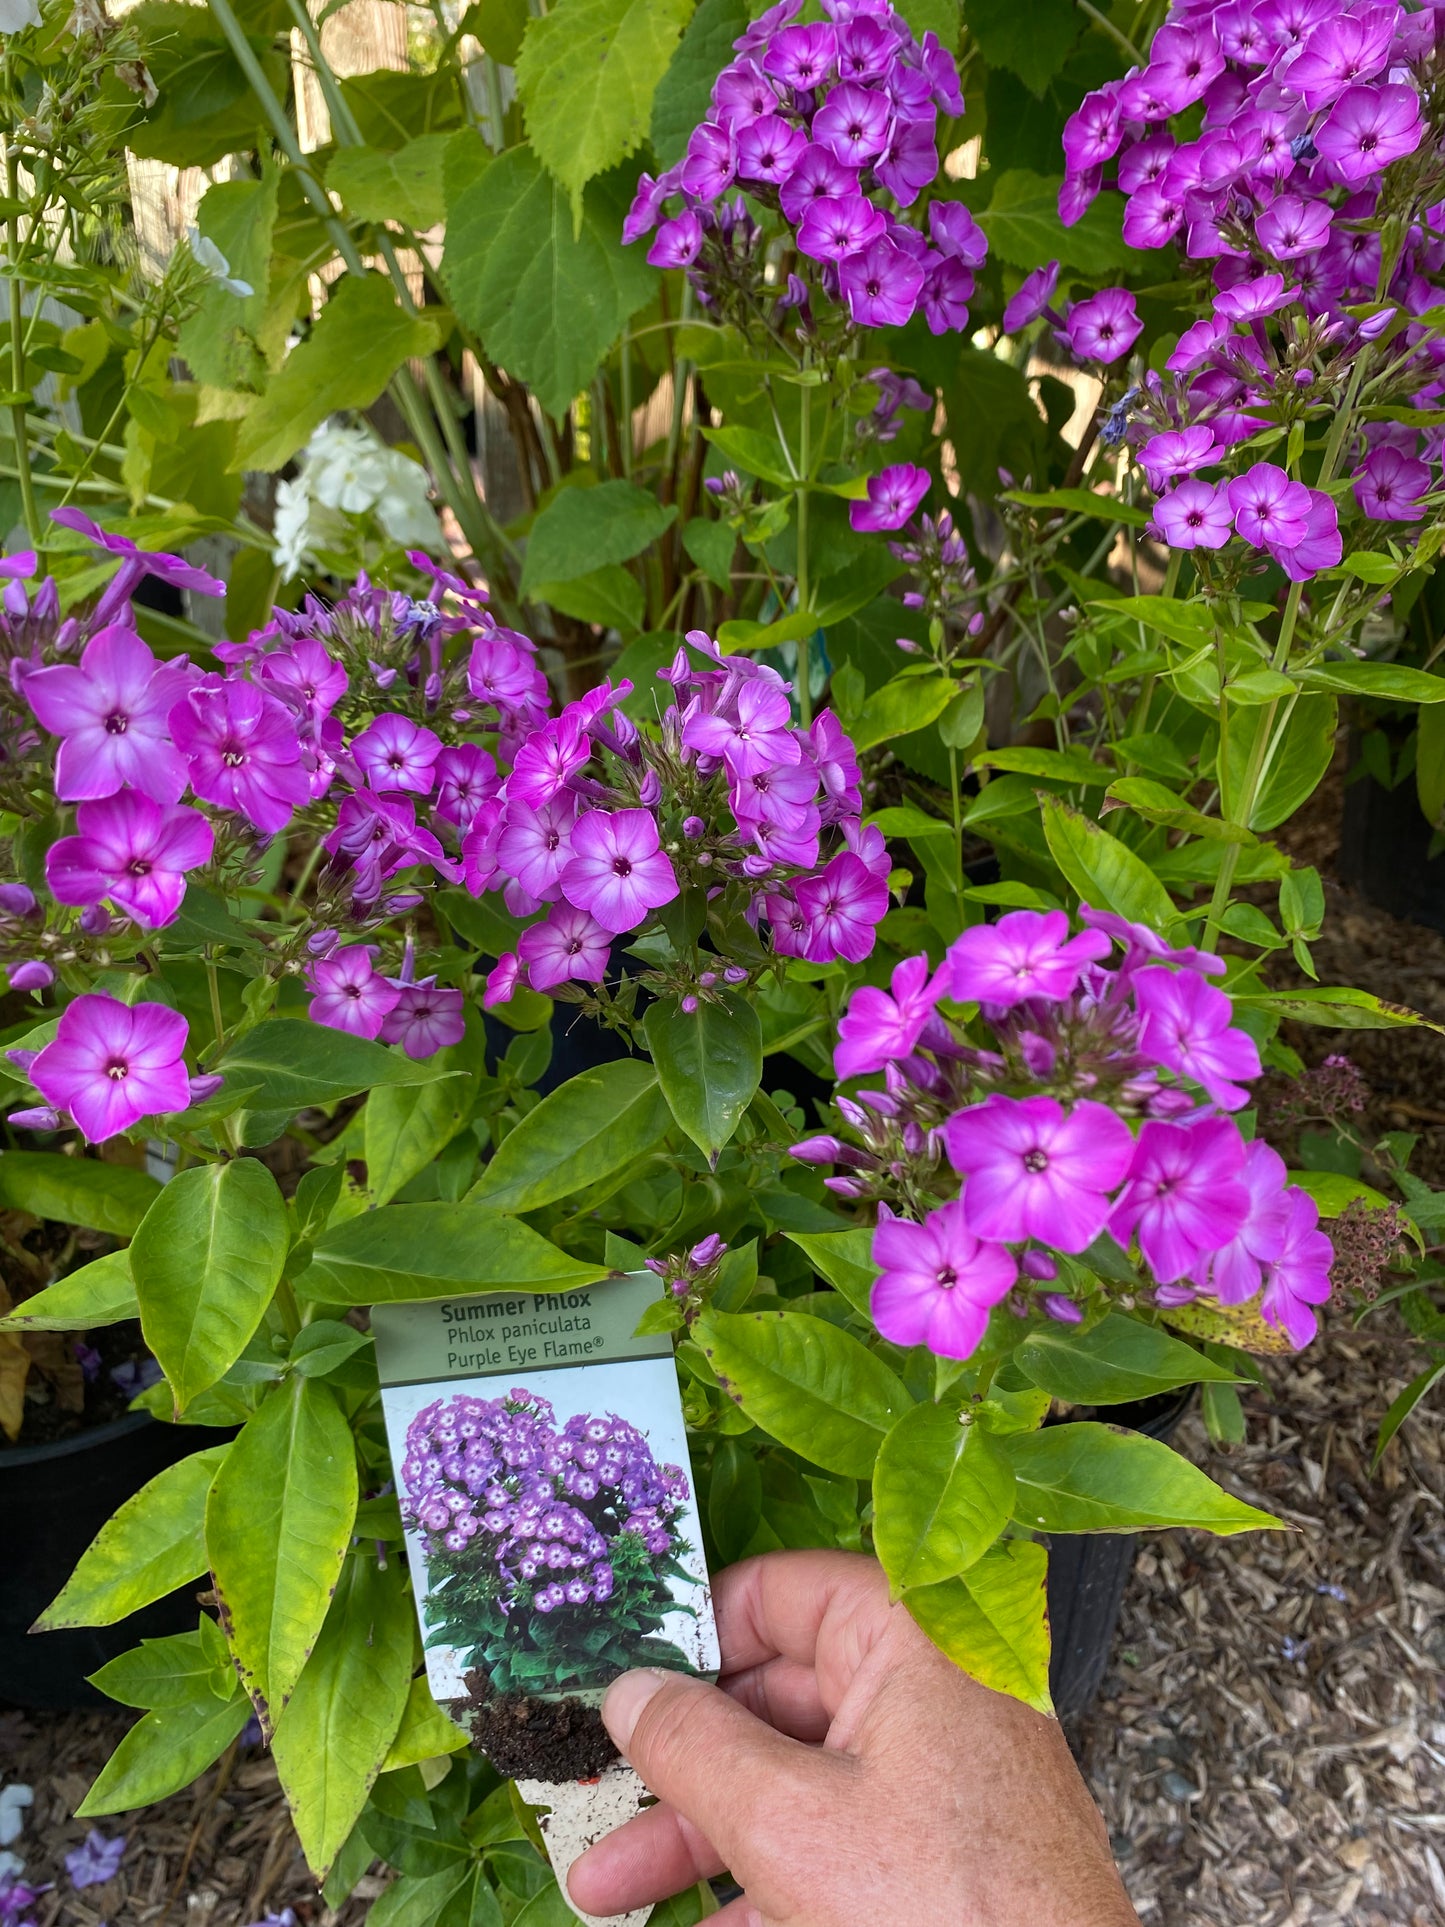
(138, 866)
(947, 1277)
(621, 867)
(232, 757)
(1036, 1160)
(116, 723)
(117, 1068)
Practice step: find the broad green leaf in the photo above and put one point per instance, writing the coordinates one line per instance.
(1083, 501)
(323, 1345)
(1339, 1007)
(754, 452)
(407, 1125)
(205, 1262)
(809, 1385)
(684, 93)
(219, 342)
(734, 1499)
(1032, 41)
(938, 17)
(1333, 1192)
(1119, 1359)
(154, 1543)
(1430, 763)
(175, 1671)
(548, 303)
(100, 1293)
(405, 186)
(709, 1063)
(1023, 226)
(582, 529)
(417, 1900)
(1099, 1478)
(83, 1191)
(206, 108)
(899, 707)
(499, 25)
(278, 1523)
(1183, 622)
(1158, 804)
(426, 1250)
(1297, 759)
(993, 1622)
(298, 1064)
(1384, 681)
(596, 1123)
(424, 1732)
(711, 545)
(1072, 766)
(586, 75)
(844, 1258)
(164, 1751)
(335, 1732)
(1103, 871)
(360, 340)
(942, 1493)
(611, 596)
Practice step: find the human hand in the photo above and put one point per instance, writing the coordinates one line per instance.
(847, 1774)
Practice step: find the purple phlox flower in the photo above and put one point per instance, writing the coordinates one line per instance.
(843, 908)
(380, 835)
(1389, 486)
(940, 69)
(1185, 1194)
(466, 776)
(1196, 345)
(1298, 1278)
(878, 1027)
(1034, 1170)
(1105, 326)
(754, 732)
(892, 498)
(1078, 193)
(646, 207)
(618, 870)
(677, 242)
(1175, 452)
(1268, 507)
(711, 161)
(768, 149)
(1027, 953)
(1369, 127)
(1251, 300)
(910, 160)
(1153, 216)
(867, 43)
(348, 994)
(946, 295)
(1187, 1028)
(937, 1281)
(1093, 131)
(882, 283)
(394, 753)
(111, 711)
(567, 943)
(1242, 34)
(853, 121)
(1145, 163)
(98, 1860)
(502, 981)
(1033, 298)
(112, 1064)
(30, 974)
(1143, 945)
(955, 233)
(133, 851)
(1194, 515)
(243, 752)
(1235, 1271)
(779, 793)
(831, 230)
(1322, 546)
(502, 670)
(425, 1018)
(1291, 226)
(743, 93)
(19, 567)
(135, 564)
(548, 760)
(535, 845)
(1339, 52)
(836, 761)
(305, 676)
(802, 57)
(817, 175)
(869, 845)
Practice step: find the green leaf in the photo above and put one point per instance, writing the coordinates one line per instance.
(154, 1543)
(426, 1250)
(278, 1524)
(582, 529)
(323, 1345)
(1403, 1406)
(1072, 766)
(417, 1900)
(734, 1499)
(405, 186)
(754, 452)
(1083, 501)
(993, 1622)
(611, 596)
(1103, 871)
(100, 1293)
(709, 1063)
(1338, 1007)
(205, 1262)
(334, 1735)
(684, 93)
(844, 1258)
(586, 76)
(1023, 226)
(407, 1125)
(1384, 681)
(809, 1385)
(589, 1127)
(1099, 1478)
(171, 1672)
(1333, 1192)
(1298, 761)
(899, 707)
(164, 1751)
(1158, 804)
(548, 303)
(499, 25)
(424, 1733)
(1033, 42)
(206, 109)
(1118, 1359)
(942, 1493)
(1430, 763)
(298, 1064)
(711, 545)
(360, 340)
(101, 1197)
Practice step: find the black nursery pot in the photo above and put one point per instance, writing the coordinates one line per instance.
(1385, 852)
(1088, 1573)
(53, 1500)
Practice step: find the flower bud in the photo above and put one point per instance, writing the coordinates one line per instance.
(40, 1118)
(1038, 1264)
(688, 1005)
(649, 790)
(31, 975)
(693, 827)
(816, 1150)
(1062, 1308)
(708, 1250)
(403, 901)
(96, 920)
(707, 979)
(17, 900)
(735, 974)
(844, 1187)
(22, 1059)
(204, 1086)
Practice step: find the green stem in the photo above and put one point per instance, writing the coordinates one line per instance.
(805, 593)
(626, 404)
(953, 785)
(213, 984)
(1116, 34)
(18, 427)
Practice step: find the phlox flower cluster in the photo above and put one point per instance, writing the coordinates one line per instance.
(602, 827)
(495, 1486)
(832, 126)
(1091, 1095)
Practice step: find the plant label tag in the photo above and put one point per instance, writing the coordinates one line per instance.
(575, 1814)
(551, 1519)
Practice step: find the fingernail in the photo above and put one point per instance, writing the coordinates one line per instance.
(626, 1697)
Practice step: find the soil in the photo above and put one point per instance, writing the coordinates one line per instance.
(46, 1422)
(536, 1739)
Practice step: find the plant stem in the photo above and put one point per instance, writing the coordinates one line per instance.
(213, 984)
(18, 426)
(957, 819)
(805, 604)
(1116, 34)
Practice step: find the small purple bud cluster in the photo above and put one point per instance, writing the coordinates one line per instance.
(688, 1275)
(834, 127)
(1026, 1136)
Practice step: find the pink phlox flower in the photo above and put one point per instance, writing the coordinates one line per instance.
(1339, 52)
(879, 1027)
(853, 121)
(1299, 1277)
(305, 676)
(1143, 945)
(836, 761)
(1185, 1194)
(479, 844)
(1103, 327)
(425, 1018)
(1194, 515)
(111, 1064)
(677, 242)
(937, 1281)
(111, 710)
(243, 752)
(882, 282)
(1235, 1272)
(831, 228)
(940, 69)
(710, 163)
(818, 175)
(1175, 452)
(742, 94)
(752, 731)
(466, 777)
(780, 794)
(843, 907)
(1092, 133)
(768, 149)
(1268, 507)
(1254, 299)
(535, 845)
(869, 845)
(1034, 1170)
(892, 498)
(502, 671)
(568, 943)
(1187, 1028)
(502, 981)
(132, 850)
(348, 994)
(1322, 546)
(956, 233)
(910, 160)
(1197, 344)
(1027, 953)
(395, 753)
(618, 869)
(802, 57)
(1388, 487)
(547, 762)
(1033, 298)
(1291, 226)
(1369, 127)
(789, 925)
